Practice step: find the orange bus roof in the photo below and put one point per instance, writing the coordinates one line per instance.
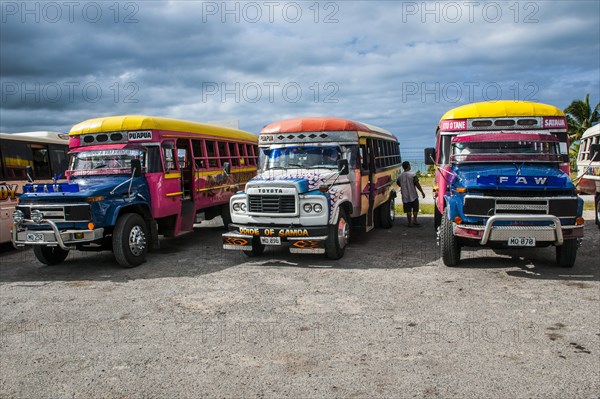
(499, 109)
(320, 124)
(143, 122)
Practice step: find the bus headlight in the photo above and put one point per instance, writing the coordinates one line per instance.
(239, 207)
(18, 217)
(37, 216)
(318, 208)
(307, 208)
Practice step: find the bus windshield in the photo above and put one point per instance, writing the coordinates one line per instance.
(505, 151)
(305, 157)
(104, 162)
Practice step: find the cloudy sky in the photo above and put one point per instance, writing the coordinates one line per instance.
(399, 65)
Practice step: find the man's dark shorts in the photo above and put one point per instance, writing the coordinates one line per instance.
(411, 207)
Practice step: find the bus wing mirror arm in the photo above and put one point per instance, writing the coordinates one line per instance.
(343, 168)
(227, 168)
(429, 156)
(29, 170)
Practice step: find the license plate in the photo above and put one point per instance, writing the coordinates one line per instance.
(270, 240)
(35, 237)
(521, 242)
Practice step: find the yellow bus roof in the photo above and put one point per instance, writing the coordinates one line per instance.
(143, 122)
(499, 109)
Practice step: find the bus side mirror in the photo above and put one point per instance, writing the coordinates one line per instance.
(343, 168)
(136, 168)
(29, 170)
(595, 152)
(227, 168)
(429, 156)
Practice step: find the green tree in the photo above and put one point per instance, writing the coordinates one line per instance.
(581, 117)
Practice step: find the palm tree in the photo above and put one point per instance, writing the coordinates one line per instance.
(580, 117)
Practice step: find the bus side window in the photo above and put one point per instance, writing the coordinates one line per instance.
(168, 149)
(211, 152)
(154, 164)
(16, 156)
(223, 156)
(233, 153)
(58, 160)
(364, 165)
(198, 151)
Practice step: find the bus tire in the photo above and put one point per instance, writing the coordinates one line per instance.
(257, 248)
(338, 237)
(449, 242)
(387, 214)
(226, 215)
(566, 253)
(130, 240)
(598, 210)
(437, 217)
(50, 255)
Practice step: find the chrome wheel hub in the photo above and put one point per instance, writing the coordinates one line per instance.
(343, 232)
(137, 240)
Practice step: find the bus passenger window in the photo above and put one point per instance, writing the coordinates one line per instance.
(168, 149)
(223, 156)
(198, 153)
(235, 160)
(211, 153)
(16, 156)
(154, 160)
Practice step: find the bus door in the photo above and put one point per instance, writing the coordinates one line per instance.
(370, 220)
(184, 159)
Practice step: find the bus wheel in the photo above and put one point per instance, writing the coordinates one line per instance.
(449, 242)
(387, 214)
(338, 237)
(130, 240)
(257, 248)
(566, 253)
(437, 217)
(50, 255)
(598, 210)
(226, 215)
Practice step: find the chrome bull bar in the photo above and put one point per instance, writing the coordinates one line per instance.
(489, 226)
(58, 235)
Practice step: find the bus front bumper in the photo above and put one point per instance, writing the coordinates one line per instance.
(554, 233)
(65, 239)
(308, 240)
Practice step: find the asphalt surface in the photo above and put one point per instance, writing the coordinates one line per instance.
(388, 320)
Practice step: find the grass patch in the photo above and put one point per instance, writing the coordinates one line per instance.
(589, 206)
(424, 209)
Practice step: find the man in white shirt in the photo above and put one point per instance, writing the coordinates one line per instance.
(409, 183)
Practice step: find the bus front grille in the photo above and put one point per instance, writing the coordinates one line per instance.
(272, 204)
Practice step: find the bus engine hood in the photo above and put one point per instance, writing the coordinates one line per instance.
(303, 180)
(511, 176)
(77, 189)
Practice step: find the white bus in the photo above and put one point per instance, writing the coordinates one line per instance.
(588, 166)
(45, 153)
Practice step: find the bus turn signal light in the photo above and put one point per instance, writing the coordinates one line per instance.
(91, 226)
(461, 190)
(579, 221)
(458, 220)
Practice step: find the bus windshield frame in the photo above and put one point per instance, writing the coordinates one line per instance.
(104, 161)
(299, 157)
(505, 151)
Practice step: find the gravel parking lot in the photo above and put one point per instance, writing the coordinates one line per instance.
(388, 320)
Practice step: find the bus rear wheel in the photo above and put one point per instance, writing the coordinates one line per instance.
(130, 244)
(387, 214)
(50, 255)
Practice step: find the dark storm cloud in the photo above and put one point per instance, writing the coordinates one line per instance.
(387, 63)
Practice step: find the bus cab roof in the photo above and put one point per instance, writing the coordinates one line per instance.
(143, 122)
(593, 131)
(321, 124)
(499, 109)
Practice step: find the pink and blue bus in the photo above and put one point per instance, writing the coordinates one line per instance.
(132, 179)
